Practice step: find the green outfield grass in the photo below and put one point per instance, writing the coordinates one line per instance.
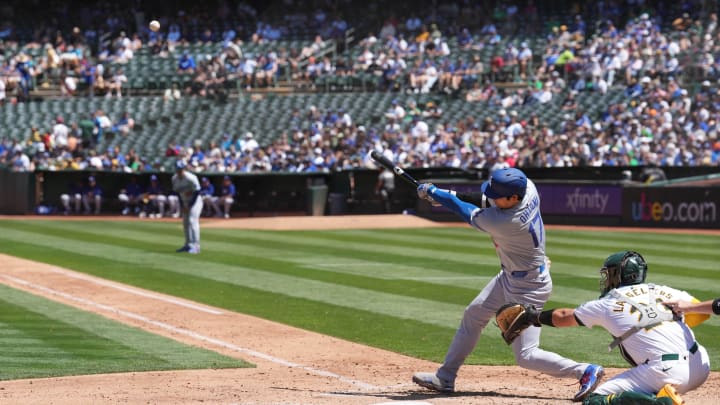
(41, 338)
(402, 289)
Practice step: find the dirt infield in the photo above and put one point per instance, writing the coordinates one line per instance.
(294, 366)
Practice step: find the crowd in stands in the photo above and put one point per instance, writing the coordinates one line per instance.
(665, 118)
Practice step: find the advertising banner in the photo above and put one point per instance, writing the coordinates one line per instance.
(674, 207)
(576, 199)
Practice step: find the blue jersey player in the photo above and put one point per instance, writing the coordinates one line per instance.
(130, 196)
(187, 186)
(226, 198)
(509, 210)
(207, 194)
(155, 199)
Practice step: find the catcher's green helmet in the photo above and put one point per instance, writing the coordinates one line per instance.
(621, 269)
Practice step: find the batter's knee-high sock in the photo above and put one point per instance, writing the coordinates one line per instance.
(626, 398)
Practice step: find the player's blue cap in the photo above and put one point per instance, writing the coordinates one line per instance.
(505, 183)
(153, 177)
(91, 178)
(179, 165)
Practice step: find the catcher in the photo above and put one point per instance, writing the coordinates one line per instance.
(665, 357)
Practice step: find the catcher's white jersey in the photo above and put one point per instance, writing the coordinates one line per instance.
(661, 353)
(618, 316)
(518, 233)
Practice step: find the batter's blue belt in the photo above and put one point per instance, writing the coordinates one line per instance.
(676, 356)
(521, 274)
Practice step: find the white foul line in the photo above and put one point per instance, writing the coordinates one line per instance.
(138, 292)
(192, 334)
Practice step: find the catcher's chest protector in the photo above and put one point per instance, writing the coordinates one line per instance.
(650, 314)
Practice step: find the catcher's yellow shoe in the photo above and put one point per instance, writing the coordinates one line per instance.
(670, 392)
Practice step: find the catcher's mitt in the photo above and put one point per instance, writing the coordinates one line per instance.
(514, 318)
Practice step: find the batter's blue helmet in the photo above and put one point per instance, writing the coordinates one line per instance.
(505, 183)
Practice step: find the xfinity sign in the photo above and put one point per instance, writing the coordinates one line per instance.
(580, 199)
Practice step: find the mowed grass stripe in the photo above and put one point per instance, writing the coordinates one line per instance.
(578, 273)
(640, 245)
(622, 237)
(348, 261)
(60, 340)
(224, 254)
(657, 256)
(438, 256)
(405, 336)
(432, 312)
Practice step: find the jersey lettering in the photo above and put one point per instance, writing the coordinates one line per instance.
(536, 229)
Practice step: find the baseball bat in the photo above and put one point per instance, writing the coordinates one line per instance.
(384, 162)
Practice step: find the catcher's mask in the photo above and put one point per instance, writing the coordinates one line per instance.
(621, 269)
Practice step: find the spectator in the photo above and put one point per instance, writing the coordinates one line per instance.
(186, 64)
(21, 162)
(124, 125)
(60, 134)
(248, 144)
(116, 83)
(172, 93)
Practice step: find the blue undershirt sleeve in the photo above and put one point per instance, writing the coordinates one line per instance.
(461, 208)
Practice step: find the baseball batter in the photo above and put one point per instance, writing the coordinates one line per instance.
(187, 186)
(512, 218)
(658, 344)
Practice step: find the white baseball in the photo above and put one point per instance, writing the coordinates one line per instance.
(154, 25)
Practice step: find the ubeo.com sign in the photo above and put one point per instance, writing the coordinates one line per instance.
(672, 207)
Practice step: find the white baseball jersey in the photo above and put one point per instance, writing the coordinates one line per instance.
(185, 186)
(661, 353)
(617, 316)
(518, 233)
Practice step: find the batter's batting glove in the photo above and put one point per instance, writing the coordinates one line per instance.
(425, 190)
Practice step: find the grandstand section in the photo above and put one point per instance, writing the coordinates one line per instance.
(529, 84)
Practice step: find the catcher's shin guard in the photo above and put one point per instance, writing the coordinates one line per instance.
(626, 398)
